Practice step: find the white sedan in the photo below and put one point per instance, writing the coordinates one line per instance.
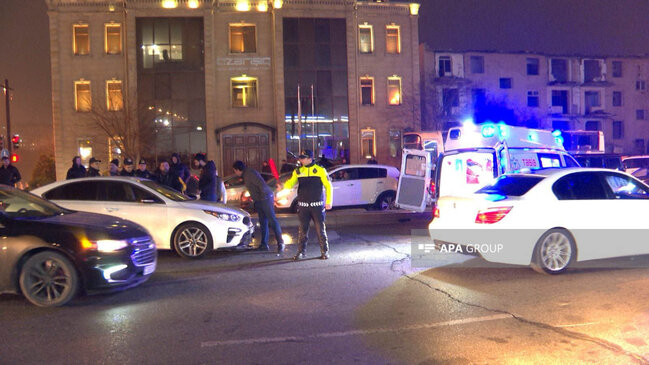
(548, 219)
(353, 186)
(191, 227)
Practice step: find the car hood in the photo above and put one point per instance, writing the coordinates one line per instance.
(93, 223)
(205, 205)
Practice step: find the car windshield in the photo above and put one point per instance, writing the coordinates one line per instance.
(167, 192)
(508, 185)
(18, 204)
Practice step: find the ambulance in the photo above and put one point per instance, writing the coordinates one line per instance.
(474, 155)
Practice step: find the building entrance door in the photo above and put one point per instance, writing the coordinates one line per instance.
(252, 149)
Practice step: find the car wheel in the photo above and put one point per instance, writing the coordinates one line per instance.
(49, 279)
(192, 240)
(554, 252)
(385, 201)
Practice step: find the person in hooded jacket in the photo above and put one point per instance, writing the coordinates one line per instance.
(207, 180)
(77, 170)
(179, 169)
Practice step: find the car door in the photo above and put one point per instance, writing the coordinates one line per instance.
(128, 201)
(370, 183)
(346, 187)
(77, 195)
(586, 208)
(414, 180)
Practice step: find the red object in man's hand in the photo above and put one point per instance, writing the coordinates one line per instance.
(273, 168)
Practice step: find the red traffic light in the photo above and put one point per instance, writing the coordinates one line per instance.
(14, 158)
(15, 138)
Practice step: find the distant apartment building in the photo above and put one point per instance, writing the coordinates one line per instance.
(541, 91)
(238, 79)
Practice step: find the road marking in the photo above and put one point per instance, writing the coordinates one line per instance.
(261, 340)
(577, 324)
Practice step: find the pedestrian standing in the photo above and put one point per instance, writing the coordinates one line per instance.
(178, 168)
(113, 168)
(9, 174)
(164, 176)
(311, 179)
(77, 170)
(207, 180)
(93, 168)
(128, 168)
(263, 201)
(142, 172)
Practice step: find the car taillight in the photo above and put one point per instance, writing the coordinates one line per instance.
(492, 215)
(432, 187)
(435, 212)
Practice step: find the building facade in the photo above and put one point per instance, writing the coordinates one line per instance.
(240, 80)
(540, 91)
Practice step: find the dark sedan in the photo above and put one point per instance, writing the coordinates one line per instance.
(50, 254)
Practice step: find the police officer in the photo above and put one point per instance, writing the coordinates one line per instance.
(128, 168)
(311, 178)
(9, 174)
(93, 168)
(142, 172)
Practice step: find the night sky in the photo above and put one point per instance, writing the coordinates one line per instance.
(568, 27)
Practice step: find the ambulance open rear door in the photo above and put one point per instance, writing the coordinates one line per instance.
(414, 180)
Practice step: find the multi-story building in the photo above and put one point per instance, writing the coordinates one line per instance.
(540, 91)
(224, 76)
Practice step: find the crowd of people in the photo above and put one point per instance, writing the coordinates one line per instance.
(172, 173)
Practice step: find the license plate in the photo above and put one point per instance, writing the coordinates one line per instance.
(149, 269)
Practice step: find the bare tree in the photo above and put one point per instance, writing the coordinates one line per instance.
(123, 126)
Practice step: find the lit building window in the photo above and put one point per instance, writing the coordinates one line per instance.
(393, 39)
(244, 91)
(368, 143)
(113, 39)
(81, 41)
(82, 96)
(394, 90)
(365, 39)
(367, 91)
(242, 38)
(85, 149)
(114, 97)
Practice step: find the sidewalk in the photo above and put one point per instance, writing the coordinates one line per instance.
(360, 217)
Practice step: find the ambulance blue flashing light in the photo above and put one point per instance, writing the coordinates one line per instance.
(488, 130)
(556, 133)
(502, 130)
(559, 140)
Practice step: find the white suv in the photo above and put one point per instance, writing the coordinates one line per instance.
(353, 186)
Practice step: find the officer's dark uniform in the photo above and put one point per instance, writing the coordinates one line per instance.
(124, 172)
(311, 179)
(143, 174)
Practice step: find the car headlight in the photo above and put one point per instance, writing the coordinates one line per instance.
(246, 194)
(104, 245)
(224, 216)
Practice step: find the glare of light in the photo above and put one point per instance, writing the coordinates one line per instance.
(111, 8)
(467, 123)
(199, 128)
(533, 136)
(262, 6)
(242, 5)
(85, 152)
(414, 9)
(502, 129)
(277, 4)
(192, 4)
(169, 4)
(488, 130)
(287, 239)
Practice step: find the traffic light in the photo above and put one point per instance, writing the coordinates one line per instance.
(14, 158)
(15, 141)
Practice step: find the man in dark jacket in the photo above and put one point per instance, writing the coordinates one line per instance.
(164, 176)
(128, 168)
(9, 174)
(179, 169)
(77, 170)
(207, 180)
(142, 172)
(93, 168)
(262, 197)
(113, 168)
